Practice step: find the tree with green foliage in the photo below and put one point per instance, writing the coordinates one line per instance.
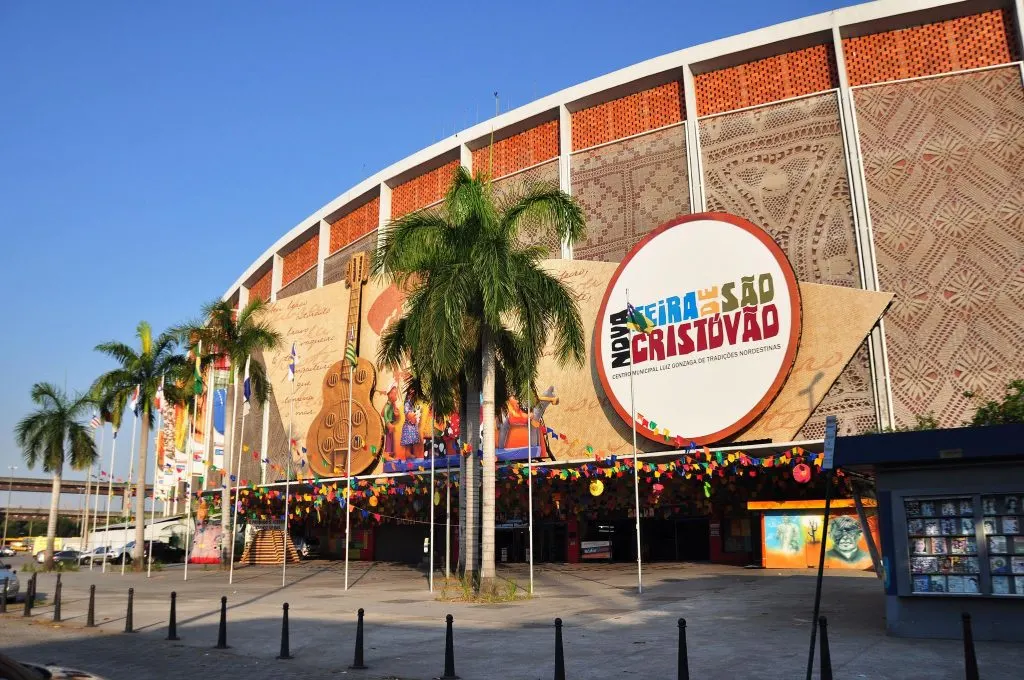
(480, 307)
(154, 365)
(52, 436)
(1008, 410)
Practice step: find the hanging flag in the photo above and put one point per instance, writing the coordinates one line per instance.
(350, 349)
(133, 402)
(291, 364)
(246, 388)
(95, 423)
(197, 377)
(636, 320)
(158, 400)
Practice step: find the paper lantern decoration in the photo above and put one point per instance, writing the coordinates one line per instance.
(802, 473)
(373, 501)
(596, 487)
(437, 498)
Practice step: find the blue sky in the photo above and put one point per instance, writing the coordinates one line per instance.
(150, 151)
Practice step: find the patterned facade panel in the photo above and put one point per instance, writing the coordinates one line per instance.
(334, 266)
(261, 289)
(304, 282)
(298, 261)
(767, 80)
(783, 167)
(627, 116)
(514, 153)
(507, 188)
(984, 39)
(629, 188)
(944, 163)
(355, 224)
(421, 191)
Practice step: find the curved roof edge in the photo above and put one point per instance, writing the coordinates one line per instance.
(679, 59)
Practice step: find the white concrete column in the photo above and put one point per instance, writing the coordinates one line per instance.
(565, 161)
(694, 163)
(264, 442)
(323, 250)
(465, 157)
(384, 216)
(276, 273)
(243, 296)
(866, 254)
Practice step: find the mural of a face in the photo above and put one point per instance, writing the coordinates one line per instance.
(845, 533)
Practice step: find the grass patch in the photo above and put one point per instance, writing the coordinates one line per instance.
(468, 589)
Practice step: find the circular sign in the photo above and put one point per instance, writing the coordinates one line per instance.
(700, 324)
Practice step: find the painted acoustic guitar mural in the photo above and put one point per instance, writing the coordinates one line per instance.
(328, 437)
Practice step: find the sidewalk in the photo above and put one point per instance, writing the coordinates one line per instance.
(741, 624)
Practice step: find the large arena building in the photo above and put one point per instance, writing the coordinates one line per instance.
(880, 146)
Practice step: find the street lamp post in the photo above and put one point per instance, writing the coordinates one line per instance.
(7, 512)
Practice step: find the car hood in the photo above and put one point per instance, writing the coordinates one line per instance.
(61, 673)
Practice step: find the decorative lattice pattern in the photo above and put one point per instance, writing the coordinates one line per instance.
(629, 188)
(334, 266)
(300, 260)
(421, 191)
(984, 39)
(514, 153)
(355, 224)
(944, 163)
(783, 167)
(506, 189)
(767, 80)
(629, 115)
(302, 283)
(261, 289)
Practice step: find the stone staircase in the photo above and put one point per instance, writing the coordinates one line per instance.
(265, 548)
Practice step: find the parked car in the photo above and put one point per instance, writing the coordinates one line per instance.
(66, 557)
(96, 555)
(11, 574)
(122, 552)
(6, 551)
(166, 553)
(14, 670)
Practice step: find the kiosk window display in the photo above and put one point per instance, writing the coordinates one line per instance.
(967, 544)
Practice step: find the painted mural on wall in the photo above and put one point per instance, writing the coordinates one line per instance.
(792, 540)
(206, 543)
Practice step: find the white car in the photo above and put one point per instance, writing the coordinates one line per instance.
(7, 551)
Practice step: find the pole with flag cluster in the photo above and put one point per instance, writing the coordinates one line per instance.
(197, 389)
(292, 363)
(158, 404)
(110, 498)
(135, 405)
(639, 323)
(246, 395)
(95, 492)
(97, 437)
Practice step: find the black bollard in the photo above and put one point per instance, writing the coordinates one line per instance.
(222, 631)
(449, 651)
(284, 633)
(172, 625)
(129, 626)
(970, 660)
(684, 663)
(357, 660)
(559, 656)
(90, 619)
(826, 654)
(32, 583)
(3, 598)
(56, 601)
(28, 600)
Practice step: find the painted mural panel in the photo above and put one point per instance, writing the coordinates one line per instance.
(629, 188)
(792, 540)
(944, 164)
(783, 167)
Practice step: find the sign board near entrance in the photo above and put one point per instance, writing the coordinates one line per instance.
(712, 333)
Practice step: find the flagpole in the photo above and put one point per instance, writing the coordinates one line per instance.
(529, 483)
(636, 471)
(131, 472)
(98, 440)
(96, 493)
(447, 517)
(348, 473)
(152, 507)
(238, 473)
(110, 495)
(190, 460)
(288, 477)
(433, 451)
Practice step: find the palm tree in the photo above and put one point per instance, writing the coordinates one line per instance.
(479, 304)
(54, 435)
(235, 336)
(154, 365)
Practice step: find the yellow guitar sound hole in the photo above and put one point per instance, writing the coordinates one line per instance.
(357, 418)
(357, 442)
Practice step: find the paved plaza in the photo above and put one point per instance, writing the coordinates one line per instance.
(742, 623)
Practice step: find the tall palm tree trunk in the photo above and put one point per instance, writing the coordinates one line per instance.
(138, 554)
(487, 570)
(469, 486)
(51, 523)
